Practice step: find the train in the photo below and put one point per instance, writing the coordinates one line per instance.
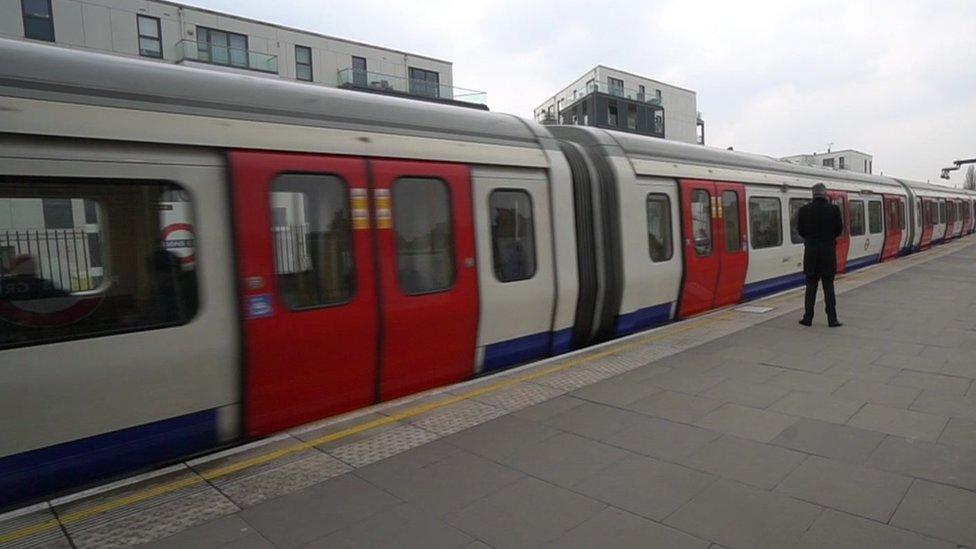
(240, 255)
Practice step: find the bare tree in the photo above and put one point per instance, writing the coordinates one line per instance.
(970, 178)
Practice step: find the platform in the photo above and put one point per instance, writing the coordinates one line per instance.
(735, 429)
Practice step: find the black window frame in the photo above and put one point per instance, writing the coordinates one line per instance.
(158, 38)
(708, 220)
(310, 65)
(48, 21)
(669, 241)
(423, 86)
(494, 240)
(615, 86)
(210, 45)
(779, 225)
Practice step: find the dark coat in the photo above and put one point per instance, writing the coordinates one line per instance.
(820, 223)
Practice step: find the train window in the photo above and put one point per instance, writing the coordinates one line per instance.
(701, 222)
(875, 225)
(857, 217)
(839, 202)
(127, 261)
(730, 208)
(795, 205)
(659, 227)
(512, 235)
(311, 239)
(942, 212)
(765, 221)
(901, 215)
(424, 238)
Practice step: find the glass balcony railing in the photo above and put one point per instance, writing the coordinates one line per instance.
(213, 54)
(617, 91)
(356, 78)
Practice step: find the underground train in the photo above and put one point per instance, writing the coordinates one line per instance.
(238, 255)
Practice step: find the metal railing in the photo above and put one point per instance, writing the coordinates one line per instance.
(213, 54)
(357, 78)
(68, 259)
(616, 91)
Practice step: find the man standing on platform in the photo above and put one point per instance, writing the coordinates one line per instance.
(820, 223)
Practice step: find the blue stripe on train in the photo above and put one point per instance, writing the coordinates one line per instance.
(756, 290)
(642, 319)
(42, 472)
(861, 262)
(516, 351)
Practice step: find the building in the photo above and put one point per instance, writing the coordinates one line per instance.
(174, 33)
(618, 100)
(847, 159)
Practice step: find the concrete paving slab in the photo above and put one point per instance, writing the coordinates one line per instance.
(683, 381)
(936, 462)
(619, 529)
(817, 406)
(501, 437)
(595, 421)
(227, 531)
(645, 486)
(878, 393)
(745, 422)
(747, 461)
(736, 515)
(680, 407)
(895, 421)
(745, 370)
(830, 440)
(959, 432)
(940, 404)
(850, 488)
(805, 381)
(404, 526)
(549, 408)
(614, 392)
(939, 511)
(526, 513)
(936, 383)
(564, 459)
(871, 373)
(663, 439)
(843, 531)
(313, 513)
(745, 393)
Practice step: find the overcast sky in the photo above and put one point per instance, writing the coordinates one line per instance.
(894, 78)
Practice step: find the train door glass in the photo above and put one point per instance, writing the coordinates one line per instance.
(307, 287)
(734, 260)
(427, 274)
(701, 222)
(839, 199)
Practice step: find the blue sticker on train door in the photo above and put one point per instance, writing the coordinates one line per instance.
(259, 306)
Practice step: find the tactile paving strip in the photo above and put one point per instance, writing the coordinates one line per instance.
(313, 467)
(464, 414)
(571, 379)
(48, 538)
(519, 396)
(385, 444)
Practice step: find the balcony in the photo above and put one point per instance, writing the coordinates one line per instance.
(212, 54)
(616, 91)
(420, 89)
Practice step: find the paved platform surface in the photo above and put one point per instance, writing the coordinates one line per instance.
(738, 429)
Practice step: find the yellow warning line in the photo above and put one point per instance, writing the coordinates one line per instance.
(261, 459)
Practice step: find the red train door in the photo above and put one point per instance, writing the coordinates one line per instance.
(307, 286)
(927, 217)
(839, 199)
(715, 255)
(892, 239)
(733, 244)
(428, 279)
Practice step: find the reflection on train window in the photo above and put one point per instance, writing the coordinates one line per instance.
(857, 217)
(311, 239)
(730, 209)
(765, 221)
(795, 205)
(839, 202)
(942, 211)
(90, 257)
(874, 217)
(424, 237)
(701, 222)
(512, 236)
(659, 227)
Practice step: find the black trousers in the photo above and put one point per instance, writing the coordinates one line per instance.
(830, 299)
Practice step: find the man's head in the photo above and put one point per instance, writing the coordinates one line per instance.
(820, 190)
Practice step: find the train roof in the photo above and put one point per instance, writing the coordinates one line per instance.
(924, 188)
(639, 147)
(50, 73)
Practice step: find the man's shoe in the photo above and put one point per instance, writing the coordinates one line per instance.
(806, 321)
(835, 323)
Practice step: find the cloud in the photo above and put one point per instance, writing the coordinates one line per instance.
(894, 78)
